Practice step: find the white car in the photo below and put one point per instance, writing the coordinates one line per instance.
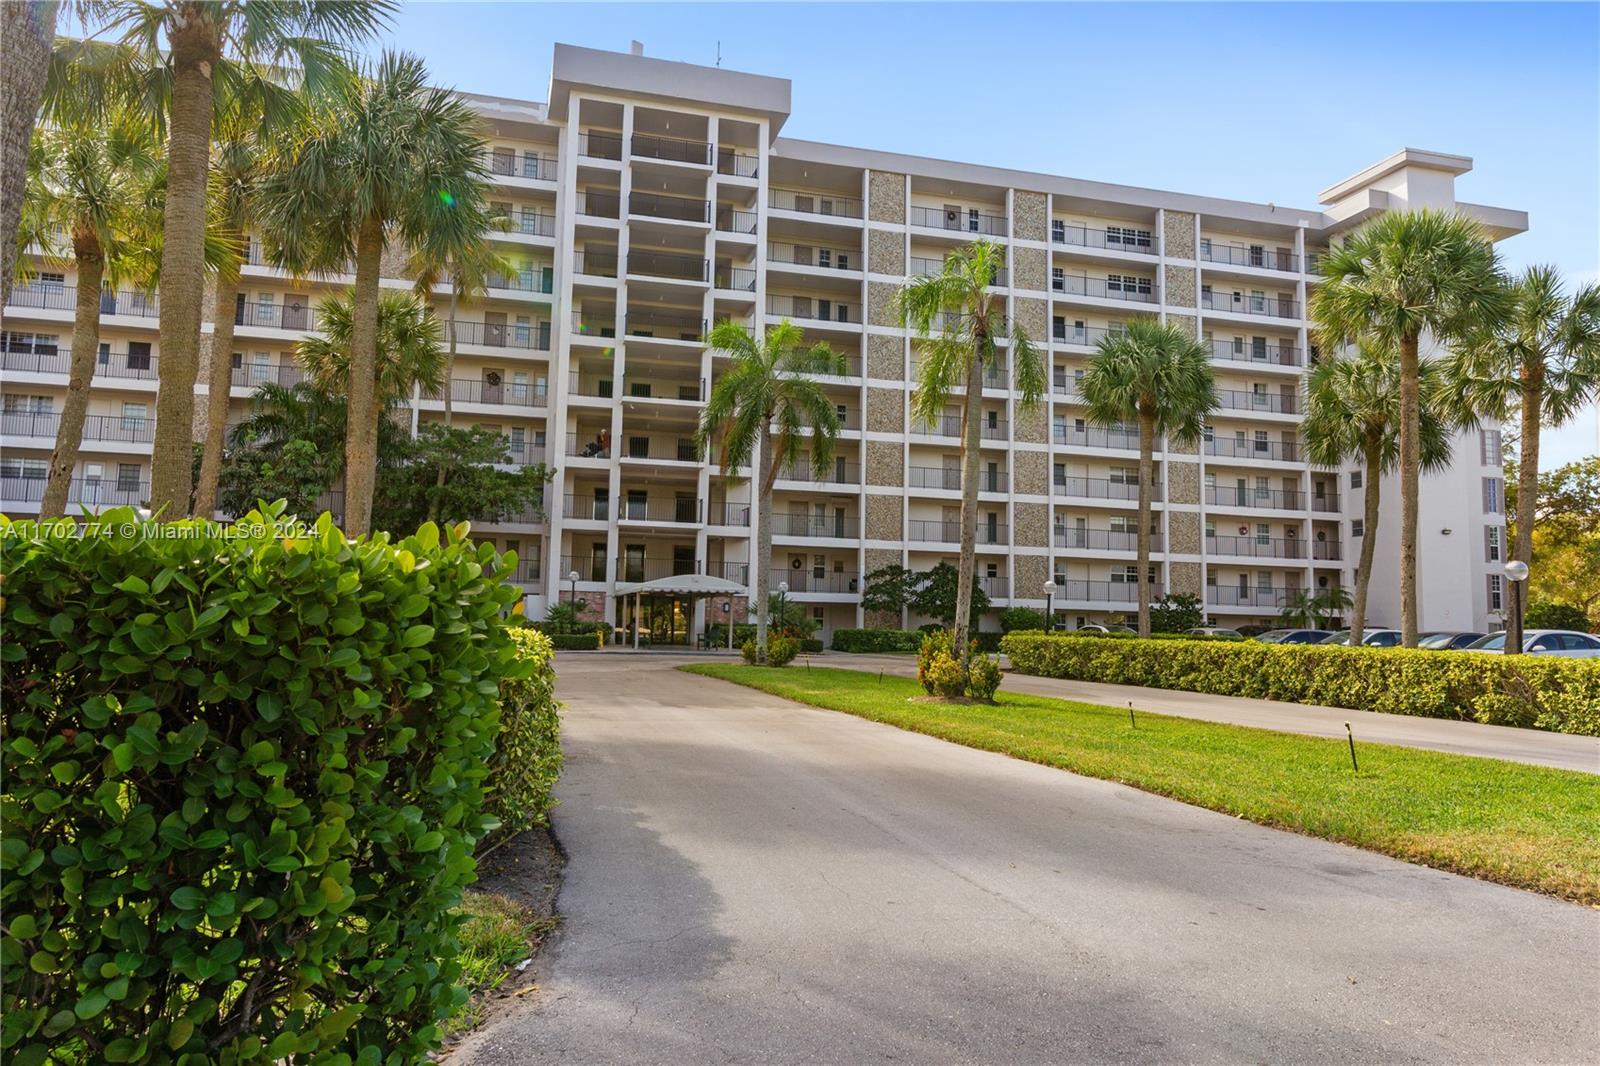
(1566, 643)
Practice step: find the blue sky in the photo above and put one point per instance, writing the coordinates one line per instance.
(1267, 102)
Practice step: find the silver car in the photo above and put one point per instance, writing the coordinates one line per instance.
(1566, 643)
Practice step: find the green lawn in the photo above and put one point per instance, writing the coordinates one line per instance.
(1527, 826)
(498, 934)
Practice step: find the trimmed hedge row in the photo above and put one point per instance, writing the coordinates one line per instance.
(527, 758)
(877, 640)
(1561, 695)
(245, 775)
(574, 641)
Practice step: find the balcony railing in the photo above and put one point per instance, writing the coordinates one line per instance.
(532, 223)
(919, 265)
(600, 144)
(962, 220)
(676, 208)
(1243, 304)
(1111, 540)
(1326, 502)
(1255, 498)
(1279, 403)
(682, 511)
(524, 452)
(806, 580)
(591, 445)
(533, 165)
(1116, 238)
(290, 316)
(252, 375)
(1096, 437)
(1100, 488)
(1286, 451)
(595, 263)
(670, 265)
(1254, 256)
(593, 324)
(116, 429)
(814, 203)
(1329, 550)
(671, 149)
(734, 279)
(1100, 288)
(949, 478)
(738, 164)
(1257, 547)
(996, 588)
(600, 203)
(637, 568)
(1086, 336)
(1233, 596)
(950, 426)
(840, 473)
(1105, 591)
(666, 325)
(533, 337)
(645, 386)
(660, 449)
(732, 220)
(52, 297)
(938, 531)
(587, 508)
(494, 390)
(801, 524)
(89, 492)
(40, 359)
(536, 281)
(1270, 354)
(728, 514)
(825, 258)
(816, 310)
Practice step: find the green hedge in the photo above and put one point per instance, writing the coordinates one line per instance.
(527, 759)
(1557, 694)
(244, 780)
(573, 641)
(876, 640)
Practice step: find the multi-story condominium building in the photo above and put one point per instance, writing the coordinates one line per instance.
(651, 198)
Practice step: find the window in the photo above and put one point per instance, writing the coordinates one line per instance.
(133, 415)
(1357, 527)
(1489, 447)
(1127, 237)
(1205, 295)
(1494, 592)
(31, 469)
(1205, 248)
(128, 477)
(1058, 279)
(138, 355)
(1058, 231)
(1262, 444)
(1491, 544)
(1491, 495)
(1127, 283)
(28, 405)
(1125, 575)
(1258, 300)
(1263, 533)
(1060, 474)
(1124, 475)
(1355, 479)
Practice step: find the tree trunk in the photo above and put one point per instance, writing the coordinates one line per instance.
(361, 423)
(1532, 374)
(1373, 471)
(449, 382)
(1410, 471)
(85, 349)
(971, 415)
(219, 389)
(1147, 443)
(763, 558)
(27, 34)
(195, 39)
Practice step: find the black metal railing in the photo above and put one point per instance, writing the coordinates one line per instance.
(1252, 256)
(802, 524)
(939, 531)
(728, 514)
(684, 510)
(1286, 451)
(494, 390)
(807, 580)
(600, 203)
(1257, 547)
(1115, 238)
(1096, 437)
(116, 429)
(1254, 352)
(589, 445)
(1133, 290)
(662, 205)
(668, 265)
(600, 144)
(671, 149)
(252, 375)
(646, 386)
(736, 163)
(39, 359)
(87, 492)
(1332, 550)
(840, 473)
(826, 258)
(812, 309)
(596, 263)
(1105, 591)
(732, 220)
(1279, 403)
(52, 297)
(533, 165)
(1100, 488)
(1086, 336)
(964, 220)
(1255, 497)
(1234, 596)
(1110, 540)
(1250, 304)
(296, 316)
(533, 337)
(735, 279)
(814, 203)
(667, 325)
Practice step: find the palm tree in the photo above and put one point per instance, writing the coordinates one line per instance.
(1543, 359)
(1403, 275)
(90, 186)
(1307, 609)
(961, 322)
(1159, 376)
(388, 149)
(27, 31)
(759, 410)
(203, 49)
(1353, 414)
(409, 355)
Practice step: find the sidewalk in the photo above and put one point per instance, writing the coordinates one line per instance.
(1533, 746)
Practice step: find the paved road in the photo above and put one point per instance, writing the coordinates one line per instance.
(1463, 738)
(752, 880)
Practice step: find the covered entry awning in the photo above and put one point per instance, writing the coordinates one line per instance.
(681, 585)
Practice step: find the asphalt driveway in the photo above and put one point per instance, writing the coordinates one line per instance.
(751, 880)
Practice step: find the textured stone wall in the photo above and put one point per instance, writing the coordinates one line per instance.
(883, 517)
(1183, 533)
(875, 559)
(1028, 220)
(1034, 318)
(1177, 447)
(1029, 271)
(1031, 525)
(1028, 573)
(886, 197)
(1029, 427)
(1183, 483)
(1185, 323)
(880, 304)
(885, 463)
(1183, 578)
(886, 410)
(1180, 286)
(1030, 473)
(886, 357)
(1179, 234)
(886, 252)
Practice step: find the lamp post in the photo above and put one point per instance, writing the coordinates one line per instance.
(1516, 573)
(572, 581)
(783, 592)
(1050, 605)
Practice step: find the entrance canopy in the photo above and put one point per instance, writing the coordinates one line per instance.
(691, 585)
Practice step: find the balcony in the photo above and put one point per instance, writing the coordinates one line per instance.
(1257, 547)
(1281, 403)
(652, 386)
(840, 473)
(1114, 238)
(811, 256)
(671, 149)
(503, 335)
(734, 279)
(814, 203)
(600, 144)
(802, 524)
(727, 514)
(919, 265)
(804, 580)
(96, 493)
(523, 452)
(642, 508)
(1286, 451)
(1109, 540)
(660, 449)
(540, 282)
(296, 316)
(1235, 596)
(1326, 502)
(950, 426)
(968, 220)
(1099, 488)
(592, 445)
(1132, 290)
(42, 359)
(637, 568)
(1256, 352)
(1106, 591)
(114, 429)
(252, 375)
(593, 324)
(1327, 550)
(732, 220)
(52, 297)
(1096, 437)
(494, 391)
(665, 325)
(600, 203)
(672, 265)
(595, 263)
(737, 164)
(1255, 255)
(537, 166)
(674, 208)
(1240, 304)
(529, 223)
(1255, 498)
(805, 307)
(945, 478)
(938, 531)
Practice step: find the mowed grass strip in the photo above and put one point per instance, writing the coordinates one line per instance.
(1528, 826)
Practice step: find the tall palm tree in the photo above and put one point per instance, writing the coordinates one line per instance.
(379, 158)
(1405, 274)
(1542, 359)
(90, 187)
(1353, 414)
(1159, 376)
(960, 323)
(27, 31)
(758, 411)
(409, 354)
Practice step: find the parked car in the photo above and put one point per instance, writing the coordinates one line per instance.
(1567, 643)
(1248, 631)
(1214, 631)
(1095, 629)
(1370, 638)
(1294, 636)
(1448, 640)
